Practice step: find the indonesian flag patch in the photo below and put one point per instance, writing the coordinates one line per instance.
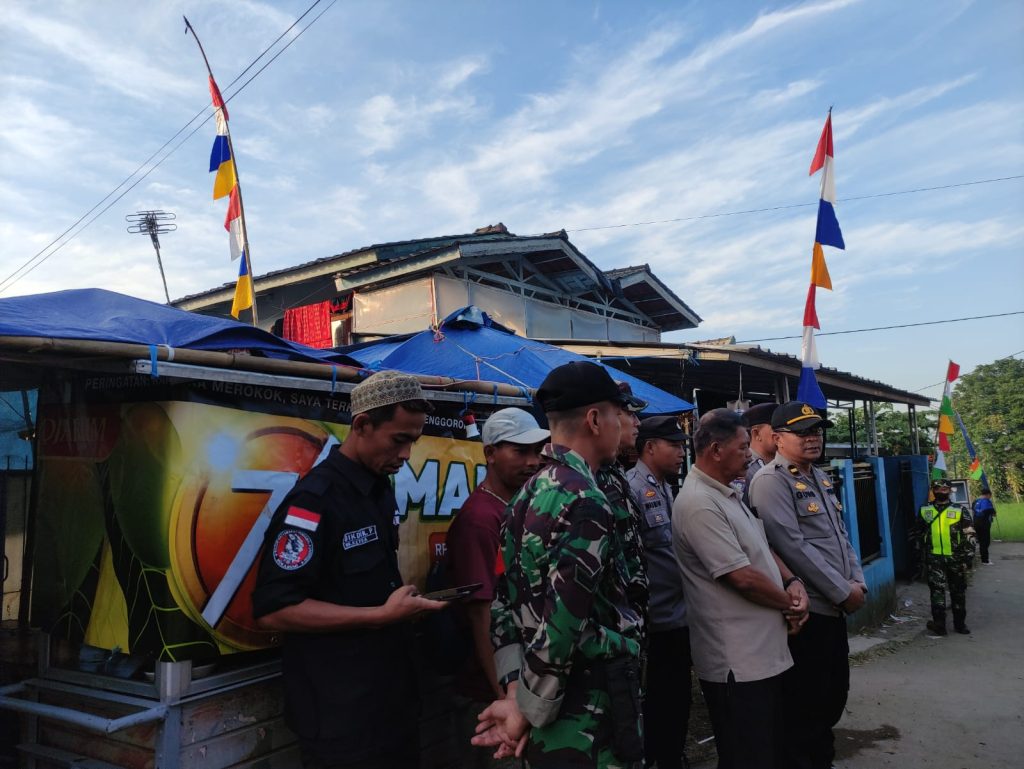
(292, 550)
(301, 518)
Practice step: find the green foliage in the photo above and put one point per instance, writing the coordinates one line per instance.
(892, 427)
(991, 403)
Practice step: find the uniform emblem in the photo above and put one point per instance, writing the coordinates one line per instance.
(301, 518)
(813, 507)
(358, 537)
(807, 411)
(650, 479)
(650, 493)
(801, 486)
(794, 470)
(292, 549)
(951, 513)
(839, 506)
(826, 483)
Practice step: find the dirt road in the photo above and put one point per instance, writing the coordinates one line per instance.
(946, 703)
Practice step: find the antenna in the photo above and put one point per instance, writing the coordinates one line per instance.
(154, 223)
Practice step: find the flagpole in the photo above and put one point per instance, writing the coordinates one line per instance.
(238, 183)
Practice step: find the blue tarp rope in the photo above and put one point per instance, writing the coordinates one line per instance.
(334, 378)
(153, 372)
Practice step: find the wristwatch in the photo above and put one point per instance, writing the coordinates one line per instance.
(791, 580)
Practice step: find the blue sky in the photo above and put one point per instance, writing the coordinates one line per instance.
(395, 120)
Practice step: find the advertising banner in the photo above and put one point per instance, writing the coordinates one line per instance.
(153, 500)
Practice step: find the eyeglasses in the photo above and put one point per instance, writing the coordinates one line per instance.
(808, 433)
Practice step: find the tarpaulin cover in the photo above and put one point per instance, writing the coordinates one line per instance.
(105, 316)
(471, 345)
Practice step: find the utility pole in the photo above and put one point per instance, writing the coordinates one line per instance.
(154, 223)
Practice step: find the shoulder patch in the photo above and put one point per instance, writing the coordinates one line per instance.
(301, 518)
(292, 549)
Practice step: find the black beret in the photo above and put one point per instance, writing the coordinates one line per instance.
(580, 383)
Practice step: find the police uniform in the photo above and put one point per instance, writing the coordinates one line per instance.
(562, 619)
(335, 539)
(947, 531)
(667, 695)
(803, 521)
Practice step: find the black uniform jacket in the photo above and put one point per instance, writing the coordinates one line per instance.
(335, 539)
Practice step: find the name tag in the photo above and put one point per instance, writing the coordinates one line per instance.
(951, 514)
(358, 537)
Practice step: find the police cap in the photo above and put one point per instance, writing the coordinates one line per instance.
(795, 416)
(666, 428)
(761, 414)
(576, 384)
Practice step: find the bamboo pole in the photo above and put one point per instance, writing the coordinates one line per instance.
(243, 362)
(238, 180)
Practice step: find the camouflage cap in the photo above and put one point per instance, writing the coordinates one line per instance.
(385, 388)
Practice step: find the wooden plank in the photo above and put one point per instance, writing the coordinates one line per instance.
(103, 747)
(257, 739)
(54, 757)
(285, 758)
(237, 709)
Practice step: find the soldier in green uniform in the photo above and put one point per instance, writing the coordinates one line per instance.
(948, 546)
(612, 481)
(567, 636)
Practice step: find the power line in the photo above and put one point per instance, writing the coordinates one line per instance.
(1005, 357)
(886, 328)
(25, 269)
(792, 205)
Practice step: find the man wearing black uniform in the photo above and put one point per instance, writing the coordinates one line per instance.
(329, 581)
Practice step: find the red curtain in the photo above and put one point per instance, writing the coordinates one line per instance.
(310, 325)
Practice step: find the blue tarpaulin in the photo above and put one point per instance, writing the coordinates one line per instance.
(105, 316)
(471, 345)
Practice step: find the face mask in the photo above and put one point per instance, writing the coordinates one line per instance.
(942, 496)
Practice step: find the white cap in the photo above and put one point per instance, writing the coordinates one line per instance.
(513, 425)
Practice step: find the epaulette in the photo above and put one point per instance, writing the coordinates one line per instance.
(794, 470)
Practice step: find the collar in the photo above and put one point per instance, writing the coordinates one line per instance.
(563, 455)
(754, 456)
(355, 473)
(645, 473)
(728, 491)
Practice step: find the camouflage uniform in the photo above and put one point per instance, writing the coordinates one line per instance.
(561, 605)
(946, 559)
(611, 479)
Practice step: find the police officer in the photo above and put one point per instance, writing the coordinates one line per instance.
(567, 637)
(804, 523)
(660, 445)
(329, 581)
(762, 441)
(947, 532)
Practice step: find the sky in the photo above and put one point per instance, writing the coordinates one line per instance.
(388, 121)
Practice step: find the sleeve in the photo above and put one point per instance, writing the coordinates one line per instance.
(292, 556)
(714, 541)
(774, 504)
(505, 634)
(574, 564)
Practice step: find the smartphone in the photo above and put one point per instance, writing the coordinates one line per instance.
(454, 593)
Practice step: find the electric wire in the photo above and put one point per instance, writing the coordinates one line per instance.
(886, 328)
(25, 268)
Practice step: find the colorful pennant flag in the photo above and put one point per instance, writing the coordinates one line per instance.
(977, 472)
(939, 468)
(220, 156)
(946, 413)
(243, 289)
(827, 233)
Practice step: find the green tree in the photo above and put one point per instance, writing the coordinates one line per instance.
(991, 403)
(892, 428)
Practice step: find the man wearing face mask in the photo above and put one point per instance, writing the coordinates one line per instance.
(947, 530)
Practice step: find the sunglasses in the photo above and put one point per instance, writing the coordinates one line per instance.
(808, 433)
